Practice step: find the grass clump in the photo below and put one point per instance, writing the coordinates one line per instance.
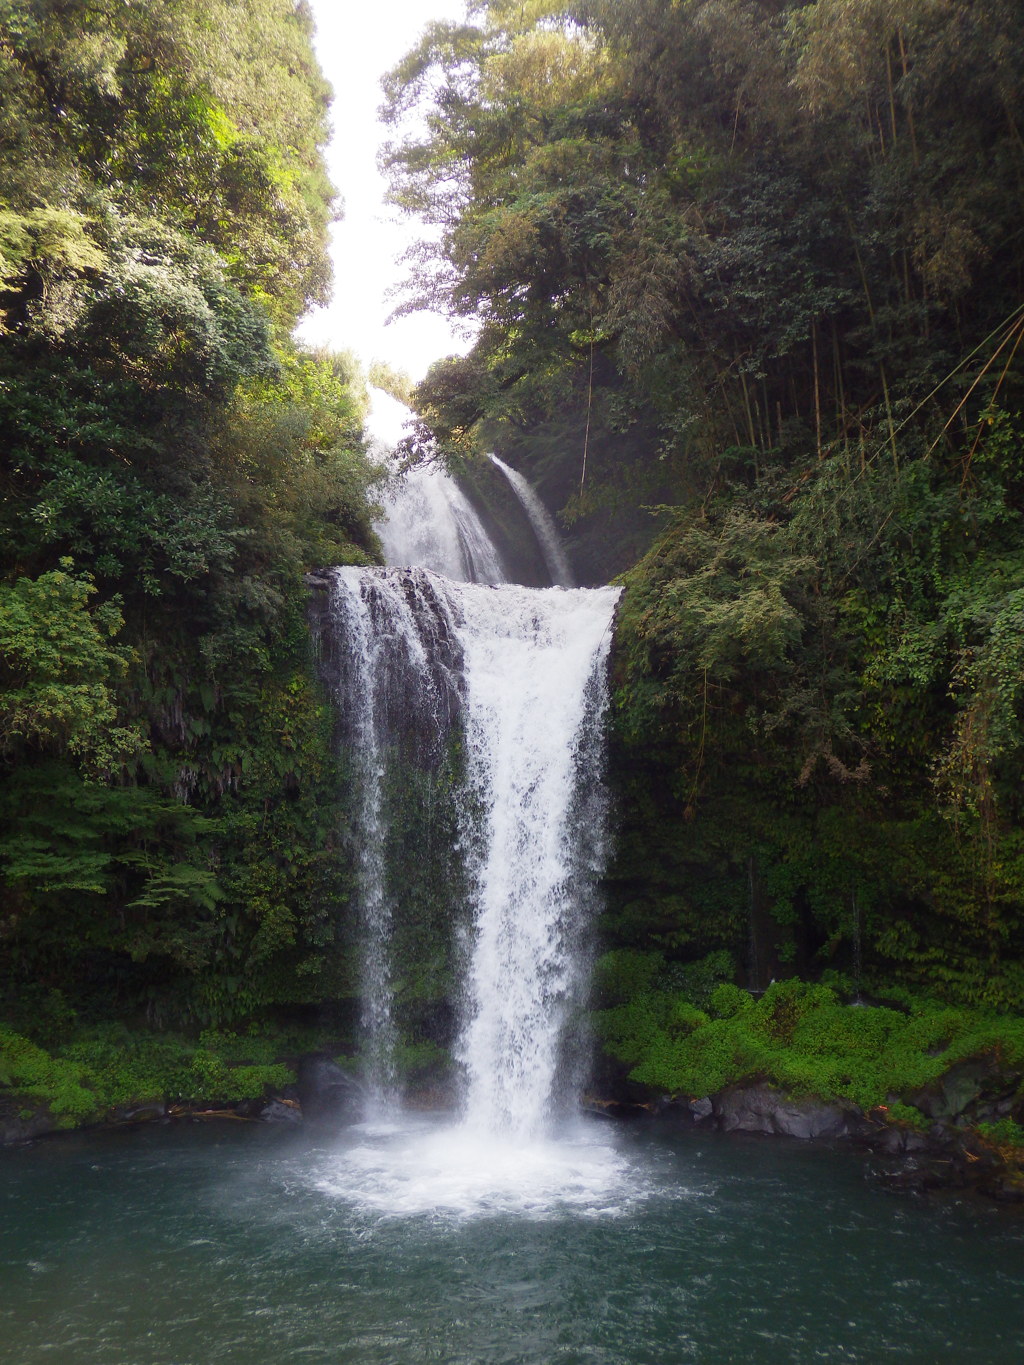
(61, 1084)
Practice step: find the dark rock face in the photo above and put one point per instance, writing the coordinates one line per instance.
(280, 1111)
(328, 1095)
(415, 706)
(978, 1086)
(19, 1126)
(761, 1108)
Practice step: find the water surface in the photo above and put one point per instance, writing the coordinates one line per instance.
(413, 1243)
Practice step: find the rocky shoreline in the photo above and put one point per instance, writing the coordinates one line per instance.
(947, 1152)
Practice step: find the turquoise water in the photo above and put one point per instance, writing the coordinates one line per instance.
(417, 1243)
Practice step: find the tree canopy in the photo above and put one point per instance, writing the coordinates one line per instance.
(756, 265)
(172, 464)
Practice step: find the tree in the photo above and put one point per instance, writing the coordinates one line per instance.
(60, 671)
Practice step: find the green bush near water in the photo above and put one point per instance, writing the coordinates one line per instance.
(113, 1067)
(796, 1035)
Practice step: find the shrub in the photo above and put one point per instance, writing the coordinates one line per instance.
(800, 1037)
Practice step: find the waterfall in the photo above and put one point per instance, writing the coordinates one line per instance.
(535, 700)
(521, 672)
(543, 526)
(482, 703)
(431, 523)
(428, 521)
(393, 668)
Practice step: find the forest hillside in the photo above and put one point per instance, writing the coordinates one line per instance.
(172, 465)
(747, 276)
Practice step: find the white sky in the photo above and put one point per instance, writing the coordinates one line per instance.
(357, 42)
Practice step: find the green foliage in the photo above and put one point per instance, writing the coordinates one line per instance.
(172, 465)
(855, 749)
(113, 1067)
(394, 382)
(624, 973)
(1003, 1132)
(418, 1060)
(63, 1086)
(213, 112)
(59, 671)
(760, 218)
(802, 1038)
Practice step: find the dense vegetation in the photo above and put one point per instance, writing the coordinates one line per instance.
(748, 284)
(172, 465)
(759, 262)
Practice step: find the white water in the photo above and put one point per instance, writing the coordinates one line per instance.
(396, 688)
(543, 525)
(535, 696)
(374, 908)
(431, 523)
(428, 520)
(522, 673)
(415, 1168)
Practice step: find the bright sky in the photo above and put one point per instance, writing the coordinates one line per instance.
(357, 43)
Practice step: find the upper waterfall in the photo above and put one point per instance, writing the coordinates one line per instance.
(543, 525)
(428, 522)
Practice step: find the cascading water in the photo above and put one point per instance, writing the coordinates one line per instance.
(521, 671)
(543, 525)
(535, 698)
(393, 667)
(432, 524)
(503, 691)
(428, 520)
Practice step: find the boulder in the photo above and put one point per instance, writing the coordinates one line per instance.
(892, 1139)
(280, 1111)
(957, 1089)
(761, 1108)
(137, 1113)
(328, 1094)
(22, 1119)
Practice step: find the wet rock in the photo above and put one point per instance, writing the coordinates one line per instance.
(889, 1141)
(328, 1094)
(701, 1109)
(280, 1111)
(1006, 1187)
(761, 1108)
(21, 1120)
(138, 1113)
(952, 1092)
(895, 1139)
(920, 1175)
